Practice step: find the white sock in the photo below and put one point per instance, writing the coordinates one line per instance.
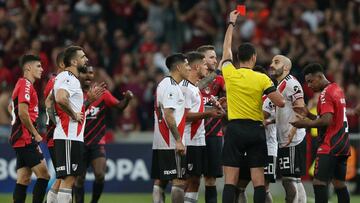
(242, 196)
(51, 196)
(301, 192)
(268, 197)
(158, 194)
(64, 195)
(191, 197)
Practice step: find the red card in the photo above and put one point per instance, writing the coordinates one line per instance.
(241, 9)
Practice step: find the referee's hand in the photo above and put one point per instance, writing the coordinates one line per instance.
(180, 148)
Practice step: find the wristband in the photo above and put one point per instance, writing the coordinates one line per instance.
(218, 72)
(231, 23)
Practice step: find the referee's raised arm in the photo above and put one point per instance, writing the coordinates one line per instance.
(244, 143)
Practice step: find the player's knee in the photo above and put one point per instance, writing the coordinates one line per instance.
(319, 182)
(99, 177)
(193, 183)
(80, 181)
(290, 188)
(338, 184)
(24, 180)
(210, 181)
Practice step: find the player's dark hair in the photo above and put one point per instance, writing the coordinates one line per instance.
(194, 56)
(259, 69)
(28, 58)
(313, 68)
(174, 59)
(245, 52)
(60, 58)
(205, 48)
(70, 53)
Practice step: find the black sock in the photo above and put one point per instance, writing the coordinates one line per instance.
(237, 193)
(229, 193)
(97, 190)
(39, 190)
(19, 194)
(343, 195)
(321, 193)
(259, 194)
(79, 194)
(210, 194)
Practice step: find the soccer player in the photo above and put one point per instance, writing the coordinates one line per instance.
(95, 129)
(24, 136)
(168, 162)
(69, 130)
(272, 147)
(292, 145)
(50, 125)
(212, 86)
(194, 129)
(245, 133)
(334, 144)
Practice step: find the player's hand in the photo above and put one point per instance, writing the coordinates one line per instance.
(180, 148)
(216, 113)
(79, 117)
(301, 111)
(38, 137)
(128, 95)
(222, 102)
(96, 91)
(303, 123)
(233, 16)
(291, 136)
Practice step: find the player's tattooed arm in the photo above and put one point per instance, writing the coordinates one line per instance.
(62, 99)
(171, 123)
(50, 108)
(205, 81)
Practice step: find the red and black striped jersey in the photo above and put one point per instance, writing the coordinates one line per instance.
(24, 92)
(215, 88)
(334, 139)
(95, 126)
(50, 126)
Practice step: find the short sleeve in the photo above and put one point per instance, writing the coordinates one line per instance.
(326, 103)
(268, 106)
(227, 68)
(109, 99)
(268, 85)
(170, 97)
(294, 91)
(24, 95)
(65, 84)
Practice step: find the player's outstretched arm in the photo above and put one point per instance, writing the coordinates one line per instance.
(25, 119)
(128, 95)
(324, 121)
(277, 98)
(227, 53)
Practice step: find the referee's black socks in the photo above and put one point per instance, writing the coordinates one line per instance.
(79, 194)
(343, 195)
(259, 194)
(229, 193)
(321, 193)
(19, 194)
(210, 194)
(97, 190)
(40, 190)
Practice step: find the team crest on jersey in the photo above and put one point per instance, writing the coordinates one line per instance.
(190, 167)
(93, 112)
(207, 90)
(27, 97)
(74, 167)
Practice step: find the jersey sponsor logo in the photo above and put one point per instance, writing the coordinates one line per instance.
(170, 172)
(60, 168)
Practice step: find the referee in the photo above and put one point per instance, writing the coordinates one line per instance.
(245, 142)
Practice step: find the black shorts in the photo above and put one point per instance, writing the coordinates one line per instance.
(92, 152)
(269, 171)
(167, 165)
(213, 164)
(52, 155)
(195, 160)
(245, 144)
(328, 167)
(292, 160)
(69, 157)
(28, 156)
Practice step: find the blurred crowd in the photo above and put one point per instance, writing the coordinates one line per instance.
(127, 42)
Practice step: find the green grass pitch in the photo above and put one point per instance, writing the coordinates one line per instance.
(146, 198)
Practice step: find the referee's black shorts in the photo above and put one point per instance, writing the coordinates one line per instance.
(245, 144)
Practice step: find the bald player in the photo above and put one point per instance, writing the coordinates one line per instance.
(292, 145)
